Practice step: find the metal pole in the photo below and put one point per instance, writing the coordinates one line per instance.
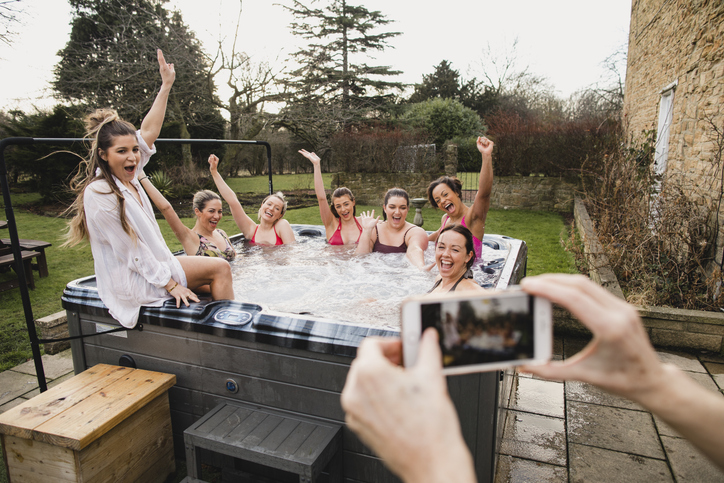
(19, 266)
(15, 239)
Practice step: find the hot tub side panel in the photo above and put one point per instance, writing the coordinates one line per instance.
(266, 375)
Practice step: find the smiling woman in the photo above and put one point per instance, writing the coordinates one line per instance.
(133, 264)
(271, 229)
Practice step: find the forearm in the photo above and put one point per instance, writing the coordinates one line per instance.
(485, 180)
(692, 410)
(152, 123)
(365, 243)
(224, 190)
(449, 461)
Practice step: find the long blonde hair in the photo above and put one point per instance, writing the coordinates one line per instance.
(102, 127)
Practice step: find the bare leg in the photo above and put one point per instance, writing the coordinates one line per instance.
(215, 272)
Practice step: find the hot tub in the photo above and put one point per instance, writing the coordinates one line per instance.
(237, 351)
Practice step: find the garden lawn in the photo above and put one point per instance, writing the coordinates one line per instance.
(541, 231)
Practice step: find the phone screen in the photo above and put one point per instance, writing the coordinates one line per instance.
(482, 330)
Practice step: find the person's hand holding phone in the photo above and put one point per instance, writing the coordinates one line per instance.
(406, 415)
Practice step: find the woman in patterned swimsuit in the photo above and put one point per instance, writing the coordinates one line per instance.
(204, 239)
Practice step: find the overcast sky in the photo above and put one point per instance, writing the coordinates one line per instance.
(565, 41)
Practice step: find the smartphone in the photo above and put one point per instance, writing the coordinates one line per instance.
(480, 331)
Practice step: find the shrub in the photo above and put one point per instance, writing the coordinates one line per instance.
(443, 119)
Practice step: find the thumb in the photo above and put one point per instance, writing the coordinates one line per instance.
(429, 357)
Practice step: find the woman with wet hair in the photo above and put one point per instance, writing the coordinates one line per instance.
(340, 222)
(446, 193)
(133, 264)
(272, 229)
(454, 258)
(395, 234)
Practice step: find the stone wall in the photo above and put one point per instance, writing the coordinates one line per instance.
(510, 192)
(679, 41)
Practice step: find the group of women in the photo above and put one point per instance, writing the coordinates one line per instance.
(134, 266)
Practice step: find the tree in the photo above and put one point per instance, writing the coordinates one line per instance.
(333, 88)
(446, 83)
(9, 15)
(444, 119)
(110, 61)
(252, 85)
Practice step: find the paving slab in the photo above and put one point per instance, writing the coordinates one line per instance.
(682, 360)
(534, 437)
(716, 369)
(588, 464)
(15, 384)
(688, 463)
(54, 366)
(538, 396)
(518, 470)
(588, 393)
(611, 428)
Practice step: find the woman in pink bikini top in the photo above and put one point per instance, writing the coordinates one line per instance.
(271, 229)
(446, 193)
(340, 221)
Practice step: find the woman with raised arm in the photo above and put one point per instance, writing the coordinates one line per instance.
(395, 234)
(446, 193)
(204, 239)
(339, 219)
(133, 265)
(271, 229)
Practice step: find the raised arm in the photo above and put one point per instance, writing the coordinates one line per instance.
(479, 211)
(620, 359)
(416, 245)
(245, 224)
(189, 240)
(367, 237)
(152, 123)
(324, 211)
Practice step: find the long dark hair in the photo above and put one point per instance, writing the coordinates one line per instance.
(394, 192)
(469, 245)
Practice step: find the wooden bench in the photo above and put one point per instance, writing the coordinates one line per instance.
(37, 246)
(9, 261)
(108, 423)
(291, 443)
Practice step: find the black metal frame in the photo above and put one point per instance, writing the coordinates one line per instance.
(13, 230)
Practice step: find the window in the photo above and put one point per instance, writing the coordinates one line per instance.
(666, 107)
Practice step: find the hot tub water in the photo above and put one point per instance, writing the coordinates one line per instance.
(314, 278)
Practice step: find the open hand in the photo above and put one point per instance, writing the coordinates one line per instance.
(168, 74)
(367, 220)
(310, 156)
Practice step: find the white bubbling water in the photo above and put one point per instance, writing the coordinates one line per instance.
(314, 278)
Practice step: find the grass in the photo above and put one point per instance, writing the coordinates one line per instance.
(541, 231)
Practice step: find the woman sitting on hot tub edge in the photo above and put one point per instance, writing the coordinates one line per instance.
(339, 218)
(271, 229)
(395, 234)
(454, 258)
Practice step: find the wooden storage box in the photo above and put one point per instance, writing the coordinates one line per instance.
(108, 423)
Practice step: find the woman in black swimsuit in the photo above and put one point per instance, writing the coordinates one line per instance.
(454, 257)
(395, 234)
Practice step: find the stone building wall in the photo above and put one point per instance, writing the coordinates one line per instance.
(510, 192)
(679, 41)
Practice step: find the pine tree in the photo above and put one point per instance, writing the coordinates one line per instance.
(334, 87)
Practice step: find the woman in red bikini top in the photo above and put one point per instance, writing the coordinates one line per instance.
(340, 223)
(271, 229)
(395, 234)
